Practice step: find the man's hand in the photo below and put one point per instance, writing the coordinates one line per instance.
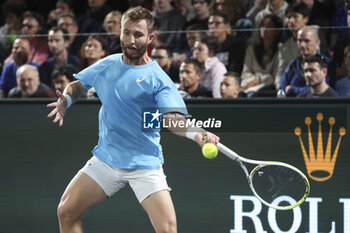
(288, 88)
(60, 108)
(206, 137)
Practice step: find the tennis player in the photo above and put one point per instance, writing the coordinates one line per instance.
(125, 83)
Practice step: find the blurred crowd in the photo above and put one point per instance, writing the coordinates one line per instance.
(209, 48)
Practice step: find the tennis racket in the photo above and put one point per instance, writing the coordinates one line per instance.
(276, 184)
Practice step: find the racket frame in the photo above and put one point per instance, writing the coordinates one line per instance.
(241, 160)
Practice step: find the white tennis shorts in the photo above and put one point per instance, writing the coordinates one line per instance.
(143, 182)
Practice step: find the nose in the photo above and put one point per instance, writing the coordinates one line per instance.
(24, 30)
(302, 43)
(307, 74)
(26, 83)
(182, 76)
(132, 39)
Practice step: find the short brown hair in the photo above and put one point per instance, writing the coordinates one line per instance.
(318, 58)
(235, 76)
(110, 14)
(138, 13)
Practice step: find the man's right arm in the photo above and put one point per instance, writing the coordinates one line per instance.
(74, 90)
(71, 93)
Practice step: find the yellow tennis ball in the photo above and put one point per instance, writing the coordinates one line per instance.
(210, 151)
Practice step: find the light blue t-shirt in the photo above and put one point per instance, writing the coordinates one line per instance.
(124, 91)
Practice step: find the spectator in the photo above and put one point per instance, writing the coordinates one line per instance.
(58, 40)
(261, 59)
(338, 49)
(342, 86)
(320, 14)
(212, 68)
(32, 24)
(111, 24)
(92, 20)
(230, 86)
(293, 81)
(12, 10)
(277, 7)
(315, 69)
(29, 85)
(169, 19)
(21, 51)
(202, 10)
(62, 7)
(258, 6)
(165, 60)
(339, 24)
(63, 75)
(235, 10)
(155, 41)
(297, 16)
(144, 3)
(186, 8)
(190, 74)
(93, 49)
(68, 21)
(194, 33)
(229, 49)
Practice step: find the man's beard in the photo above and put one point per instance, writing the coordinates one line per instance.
(135, 56)
(21, 58)
(313, 83)
(57, 53)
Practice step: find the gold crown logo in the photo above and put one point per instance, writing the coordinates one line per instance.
(321, 161)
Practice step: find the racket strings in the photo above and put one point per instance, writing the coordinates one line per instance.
(278, 184)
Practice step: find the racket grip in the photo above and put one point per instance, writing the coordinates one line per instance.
(228, 152)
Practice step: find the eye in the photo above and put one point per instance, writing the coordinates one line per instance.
(138, 35)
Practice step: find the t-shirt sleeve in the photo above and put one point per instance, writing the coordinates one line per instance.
(87, 76)
(168, 98)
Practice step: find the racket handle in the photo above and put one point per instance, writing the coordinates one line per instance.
(228, 152)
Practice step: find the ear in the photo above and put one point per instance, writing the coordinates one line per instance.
(318, 41)
(67, 43)
(325, 71)
(150, 38)
(238, 89)
(199, 75)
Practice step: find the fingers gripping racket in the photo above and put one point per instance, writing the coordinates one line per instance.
(276, 184)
